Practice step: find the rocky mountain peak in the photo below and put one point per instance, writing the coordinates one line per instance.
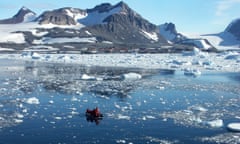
(62, 16)
(104, 7)
(25, 10)
(170, 27)
(23, 15)
(122, 4)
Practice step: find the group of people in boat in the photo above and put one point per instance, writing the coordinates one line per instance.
(94, 115)
(95, 112)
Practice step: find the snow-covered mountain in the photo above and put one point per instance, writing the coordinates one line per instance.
(229, 39)
(234, 28)
(169, 32)
(23, 15)
(104, 28)
(62, 16)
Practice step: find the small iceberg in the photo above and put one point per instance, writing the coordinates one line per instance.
(87, 77)
(35, 55)
(192, 72)
(215, 123)
(199, 108)
(33, 100)
(235, 127)
(123, 117)
(131, 76)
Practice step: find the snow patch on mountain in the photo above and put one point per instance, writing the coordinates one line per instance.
(17, 38)
(152, 35)
(97, 17)
(38, 34)
(9, 35)
(74, 14)
(29, 17)
(167, 34)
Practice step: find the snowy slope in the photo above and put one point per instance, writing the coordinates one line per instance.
(29, 17)
(8, 31)
(169, 32)
(97, 17)
(228, 39)
(222, 41)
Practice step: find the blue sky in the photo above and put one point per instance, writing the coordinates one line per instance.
(189, 16)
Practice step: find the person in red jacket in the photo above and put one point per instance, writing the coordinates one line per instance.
(96, 112)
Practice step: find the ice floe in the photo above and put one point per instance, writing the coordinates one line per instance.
(123, 117)
(33, 100)
(192, 72)
(227, 61)
(235, 127)
(215, 123)
(131, 76)
(225, 138)
(87, 77)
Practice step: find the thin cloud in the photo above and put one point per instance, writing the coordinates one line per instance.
(8, 6)
(224, 5)
(42, 5)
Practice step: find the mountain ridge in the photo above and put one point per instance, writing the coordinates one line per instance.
(103, 26)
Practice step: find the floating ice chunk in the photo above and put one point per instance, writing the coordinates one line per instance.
(120, 116)
(51, 102)
(199, 108)
(58, 118)
(33, 100)
(74, 113)
(192, 72)
(215, 123)
(234, 127)
(177, 62)
(195, 119)
(144, 118)
(65, 58)
(87, 77)
(24, 110)
(209, 63)
(18, 120)
(120, 141)
(74, 99)
(150, 117)
(18, 115)
(131, 76)
(237, 117)
(117, 106)
(35, 55)
(225, 138)
(233, 56)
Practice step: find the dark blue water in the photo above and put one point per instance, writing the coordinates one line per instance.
(162, 107)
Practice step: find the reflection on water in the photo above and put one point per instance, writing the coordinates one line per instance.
(46, 103)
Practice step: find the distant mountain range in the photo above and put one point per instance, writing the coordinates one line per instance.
(104, 28)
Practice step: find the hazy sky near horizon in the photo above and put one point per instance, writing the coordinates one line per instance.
(189, 16)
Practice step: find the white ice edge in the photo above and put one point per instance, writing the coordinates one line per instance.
(198, 61)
